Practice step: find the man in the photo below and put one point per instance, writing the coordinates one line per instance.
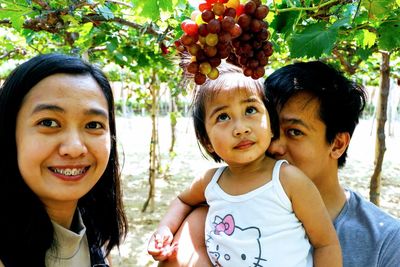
(318, 111)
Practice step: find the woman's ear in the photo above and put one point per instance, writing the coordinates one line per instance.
(339, 145)
(210, 148)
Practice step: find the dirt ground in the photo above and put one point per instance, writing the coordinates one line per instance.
(134, 139)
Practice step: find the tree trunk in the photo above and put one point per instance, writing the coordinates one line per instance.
(123, 96)
(173, 114)
(154, 88)
(380, 148)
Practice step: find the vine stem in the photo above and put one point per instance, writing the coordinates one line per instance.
(307, 8)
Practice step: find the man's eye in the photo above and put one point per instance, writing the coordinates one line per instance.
(294, 132)
(251, 110)
(223, 117)
(49, 123)
(94, 125)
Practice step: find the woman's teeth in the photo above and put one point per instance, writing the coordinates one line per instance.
(69, 172)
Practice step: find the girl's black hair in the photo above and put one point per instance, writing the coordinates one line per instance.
(232, 77)
(26, 232)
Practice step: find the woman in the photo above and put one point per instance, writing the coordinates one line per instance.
(61, 197)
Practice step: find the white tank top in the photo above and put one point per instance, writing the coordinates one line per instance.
(258, 228)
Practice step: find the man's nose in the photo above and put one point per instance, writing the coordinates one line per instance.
(277, 148)
(72, 145)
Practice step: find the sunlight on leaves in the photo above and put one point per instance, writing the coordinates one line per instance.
(369, 38)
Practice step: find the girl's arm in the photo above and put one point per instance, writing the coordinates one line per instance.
(311, 211)
(160, 245)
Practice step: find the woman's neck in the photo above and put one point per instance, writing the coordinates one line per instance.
(62, 214)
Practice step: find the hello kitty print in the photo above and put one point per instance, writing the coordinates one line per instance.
(228, 252)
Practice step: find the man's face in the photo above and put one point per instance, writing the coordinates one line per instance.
(302, 139)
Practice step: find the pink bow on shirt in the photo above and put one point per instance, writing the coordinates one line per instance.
(227, 225)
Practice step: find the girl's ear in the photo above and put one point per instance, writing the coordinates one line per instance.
(340, 144)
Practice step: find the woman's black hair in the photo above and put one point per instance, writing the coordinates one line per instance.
(26, 232)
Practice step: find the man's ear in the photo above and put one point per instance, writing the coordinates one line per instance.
(339, 145)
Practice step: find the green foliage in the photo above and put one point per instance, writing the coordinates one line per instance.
(313, 41)
(389, 34)
(349, 32)
(130, 33)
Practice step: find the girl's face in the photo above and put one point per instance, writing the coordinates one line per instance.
(237, 124)
(63, 138)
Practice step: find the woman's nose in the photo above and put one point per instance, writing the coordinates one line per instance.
(73, 145)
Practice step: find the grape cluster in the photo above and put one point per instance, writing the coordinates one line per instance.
(226, 29)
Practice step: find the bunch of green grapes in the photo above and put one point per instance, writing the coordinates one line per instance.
(226, 29)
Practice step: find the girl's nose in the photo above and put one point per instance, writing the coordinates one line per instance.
(241, 129)
(73, 145)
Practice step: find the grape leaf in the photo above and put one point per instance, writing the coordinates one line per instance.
(105, 12)
(313, 41)
(166, 5)
(369, 38)
(150, 9)
(378, 8)
(364, 54)
(285, 22)
(15, 11)
(389, 35)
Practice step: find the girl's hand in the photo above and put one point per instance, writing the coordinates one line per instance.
(160, 244)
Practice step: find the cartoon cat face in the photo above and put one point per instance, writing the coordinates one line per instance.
(231, 245)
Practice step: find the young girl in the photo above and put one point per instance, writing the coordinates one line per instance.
(60, 199)
(262, 212)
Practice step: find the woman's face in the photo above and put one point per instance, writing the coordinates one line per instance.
(63, 138)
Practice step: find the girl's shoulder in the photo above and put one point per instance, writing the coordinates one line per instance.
(292, 178)
(209, 174)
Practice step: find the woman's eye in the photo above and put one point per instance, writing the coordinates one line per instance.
(251, 110)
(94, 125)
(49, 123)
(294, 132)
(223, 117)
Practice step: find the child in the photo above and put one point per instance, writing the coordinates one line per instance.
(61, 198)
(262, 212)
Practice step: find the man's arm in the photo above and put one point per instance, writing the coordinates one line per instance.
(160, 245)
(390, 253)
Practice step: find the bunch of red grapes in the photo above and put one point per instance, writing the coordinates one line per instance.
(226, 29)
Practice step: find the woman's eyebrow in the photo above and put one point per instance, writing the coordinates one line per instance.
(50, 107)
(97, 112)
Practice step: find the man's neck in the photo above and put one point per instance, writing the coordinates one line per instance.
(334, 197)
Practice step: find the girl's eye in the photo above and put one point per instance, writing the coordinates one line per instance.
(94, 125)
(294, 132)
(251, 110)
(223, 117)
(49, 123)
